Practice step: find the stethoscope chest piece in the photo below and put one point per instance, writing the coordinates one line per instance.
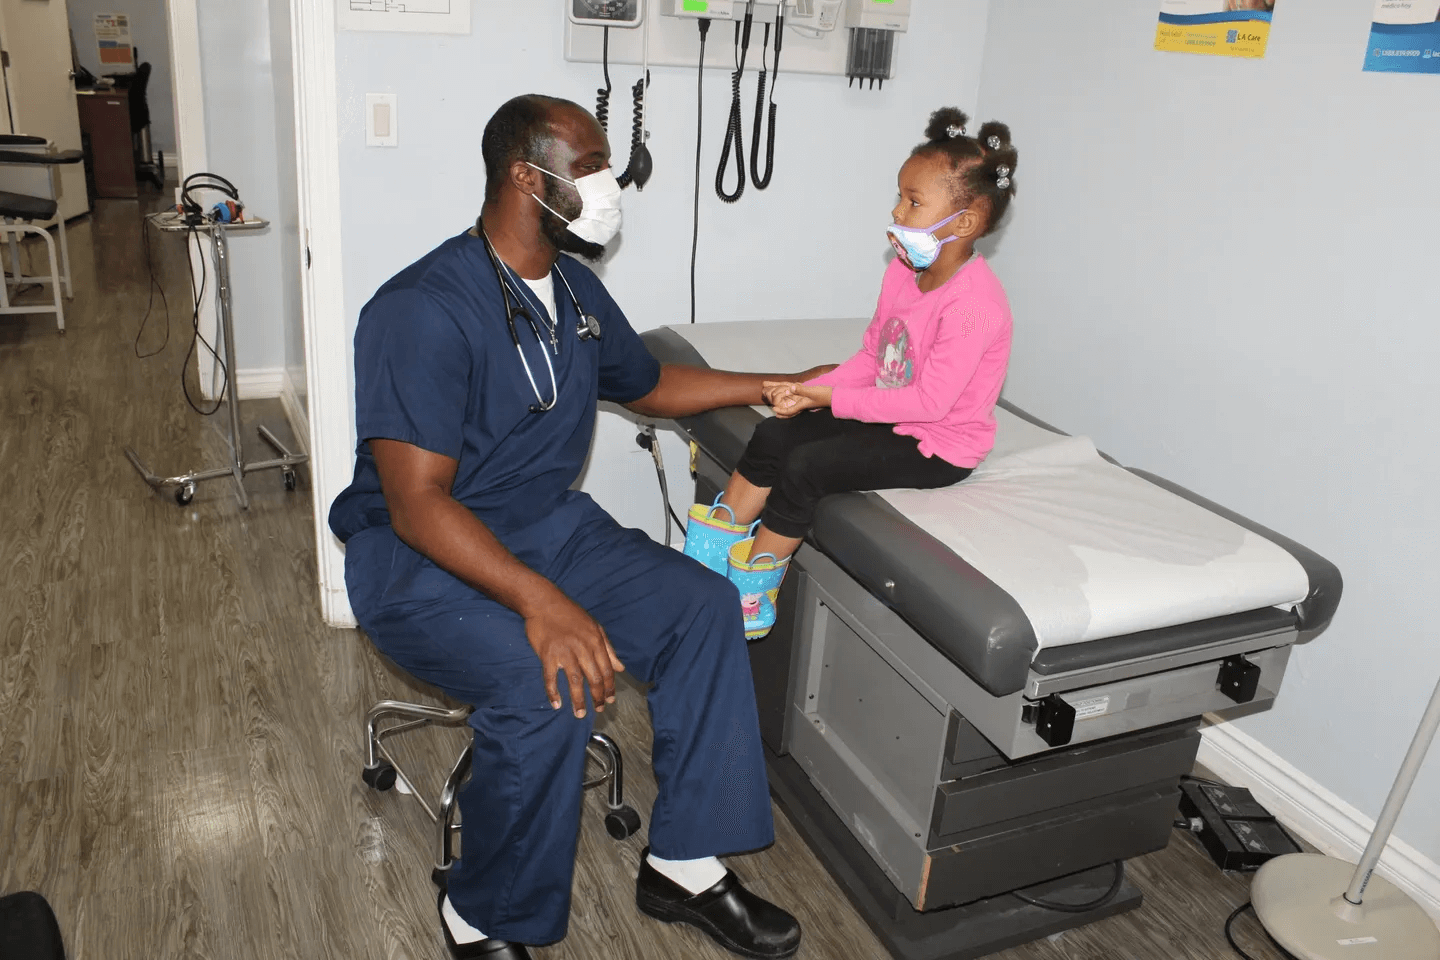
(588, 328)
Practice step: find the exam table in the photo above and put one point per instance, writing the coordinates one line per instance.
(978, 702)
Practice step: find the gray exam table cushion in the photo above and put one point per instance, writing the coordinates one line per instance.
(965, 615)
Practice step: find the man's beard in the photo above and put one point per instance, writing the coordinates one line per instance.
(557, 231)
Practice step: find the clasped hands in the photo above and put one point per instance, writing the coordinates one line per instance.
(788, 398)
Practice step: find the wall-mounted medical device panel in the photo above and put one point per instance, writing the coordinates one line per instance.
(607, 13)
(878, 14)
(671, 30)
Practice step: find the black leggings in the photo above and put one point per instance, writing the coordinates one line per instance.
(815, 454)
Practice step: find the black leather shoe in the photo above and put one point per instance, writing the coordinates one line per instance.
(489, 949)
(737, 919)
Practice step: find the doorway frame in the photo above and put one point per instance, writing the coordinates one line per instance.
(327, 334)
(330, 419)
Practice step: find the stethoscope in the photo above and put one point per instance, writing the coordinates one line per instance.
(588, 328)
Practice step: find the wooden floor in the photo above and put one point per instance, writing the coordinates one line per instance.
(180, 734)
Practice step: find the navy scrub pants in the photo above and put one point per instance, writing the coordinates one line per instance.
(673, 623)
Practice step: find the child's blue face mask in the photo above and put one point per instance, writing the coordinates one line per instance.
(919, 248)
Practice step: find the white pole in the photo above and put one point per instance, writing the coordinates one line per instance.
(1391, 811)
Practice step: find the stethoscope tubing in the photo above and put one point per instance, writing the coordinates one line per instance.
(587, 328)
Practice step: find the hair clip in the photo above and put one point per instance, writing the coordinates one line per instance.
(955, 130)
(993, 142)
(1002, 177)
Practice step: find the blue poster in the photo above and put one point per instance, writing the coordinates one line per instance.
(1405, 37)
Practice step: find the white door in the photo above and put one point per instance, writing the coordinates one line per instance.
(36, 40)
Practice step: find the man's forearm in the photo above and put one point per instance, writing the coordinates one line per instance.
(441, 528)
(684, 390)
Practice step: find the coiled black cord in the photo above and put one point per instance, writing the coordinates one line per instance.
(735, 131)
(602, 97)
(761, 182)
(637, 171)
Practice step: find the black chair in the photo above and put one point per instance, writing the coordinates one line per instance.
(149, 163)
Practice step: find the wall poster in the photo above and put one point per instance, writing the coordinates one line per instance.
(1217, 28)
(112, 34)
(1405, 37)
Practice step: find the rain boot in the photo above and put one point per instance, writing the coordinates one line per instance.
(708, 538)
(758, 580)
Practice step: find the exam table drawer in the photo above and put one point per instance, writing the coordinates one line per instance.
(1095, 770)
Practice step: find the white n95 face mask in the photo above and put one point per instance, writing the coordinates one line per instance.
(600, 215)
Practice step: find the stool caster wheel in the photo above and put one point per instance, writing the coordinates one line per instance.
(289, 477)
(381, 776)
(184, 494)
(441, 878)
(622, 822)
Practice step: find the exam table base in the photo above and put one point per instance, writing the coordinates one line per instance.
(1037, 824)
(958, 933)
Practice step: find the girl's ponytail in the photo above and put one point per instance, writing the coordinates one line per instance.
(947, 123)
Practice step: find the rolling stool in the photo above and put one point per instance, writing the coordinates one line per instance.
(382, 772)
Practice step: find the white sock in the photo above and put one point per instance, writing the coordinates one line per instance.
(460, 931)
(697, 876)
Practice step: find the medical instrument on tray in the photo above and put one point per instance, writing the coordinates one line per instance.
(588, 327)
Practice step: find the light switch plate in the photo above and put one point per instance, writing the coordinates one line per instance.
(381, 120)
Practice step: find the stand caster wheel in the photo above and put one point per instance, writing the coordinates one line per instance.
(381, 776)
(184, 493)
(622, 822)
(289, 477)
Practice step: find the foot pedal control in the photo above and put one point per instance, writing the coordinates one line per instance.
(1237, 832)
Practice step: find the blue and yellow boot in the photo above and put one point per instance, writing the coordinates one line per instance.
(758, 580)
(708, 538)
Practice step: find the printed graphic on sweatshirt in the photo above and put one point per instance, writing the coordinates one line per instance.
(896, 360)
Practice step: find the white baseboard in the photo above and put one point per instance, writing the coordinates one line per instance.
(295, 412)
(335, 608)
(1313, 813)
(264, 383)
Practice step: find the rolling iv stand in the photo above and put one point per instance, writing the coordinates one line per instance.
(237, 467)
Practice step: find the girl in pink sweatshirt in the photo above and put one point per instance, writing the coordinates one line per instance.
(915, 406)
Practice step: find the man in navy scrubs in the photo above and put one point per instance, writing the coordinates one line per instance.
(472, 564)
